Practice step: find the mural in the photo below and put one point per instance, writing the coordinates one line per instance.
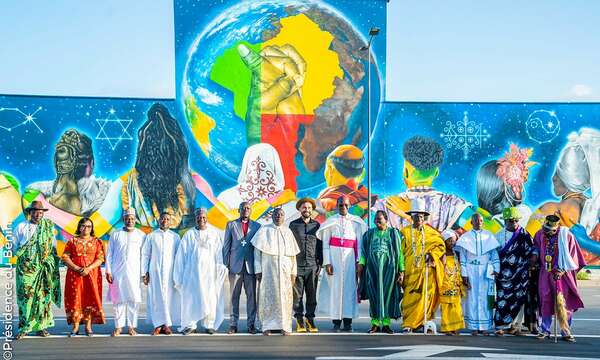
(542, 158)
(272, 106)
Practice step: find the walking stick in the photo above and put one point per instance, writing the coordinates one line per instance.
(555, 311)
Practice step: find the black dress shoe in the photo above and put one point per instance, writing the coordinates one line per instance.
(388, 330)
(232, 330)
(187, 331)
(374, 329)
(210, 331)
(347, 328)
(252, 330)
(336, 328)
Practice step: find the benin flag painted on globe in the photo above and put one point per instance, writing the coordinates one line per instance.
(278, 84)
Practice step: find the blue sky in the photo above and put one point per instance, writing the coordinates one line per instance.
(460, 50)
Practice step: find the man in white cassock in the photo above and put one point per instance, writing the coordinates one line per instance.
(199, 276)
(158, 257)
(342, 236)
(275, 251)
(479, 265)
(123, 273)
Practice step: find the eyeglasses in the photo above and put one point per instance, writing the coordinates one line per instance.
(86, 226)
(344, 205)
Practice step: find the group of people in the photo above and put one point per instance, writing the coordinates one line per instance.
(507, 279)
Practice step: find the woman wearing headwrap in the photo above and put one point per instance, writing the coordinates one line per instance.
(577, 172)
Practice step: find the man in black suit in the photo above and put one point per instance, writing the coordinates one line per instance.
(238, 256)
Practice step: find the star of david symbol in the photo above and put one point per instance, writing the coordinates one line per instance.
(113, 129)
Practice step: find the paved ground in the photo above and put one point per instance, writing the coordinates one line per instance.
(325, 345)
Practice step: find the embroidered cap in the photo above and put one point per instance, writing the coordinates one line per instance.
(552, 222)
(511, 213)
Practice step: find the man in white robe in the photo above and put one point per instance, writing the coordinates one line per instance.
(158, 257)
(341, 235)
(275, 251)
(199, 276)
(479, 265)
(123, 273)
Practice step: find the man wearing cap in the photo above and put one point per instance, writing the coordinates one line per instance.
(199, 276)
(560, 258)
(123, 273)
(479, 266)
(158, 258)
(341, 235)
(275, 251)
(381, 271)
(38, 279)
(309, 262)
(512, 282)
(423, 249)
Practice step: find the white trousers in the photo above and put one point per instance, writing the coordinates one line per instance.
(126, 314)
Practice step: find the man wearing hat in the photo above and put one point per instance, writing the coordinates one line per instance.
(158, 259)
(309, 262)
(559, 257)
(341, 235)
(479, 266)
(423, 249)
(123, 272)
(512, 282)
(38, 279)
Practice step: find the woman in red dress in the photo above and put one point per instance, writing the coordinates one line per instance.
(83, 256)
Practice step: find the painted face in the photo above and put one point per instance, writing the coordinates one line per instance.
(477, 221)
(85, 229)
(306, 210)
(380, 221)
(164, 222)
(418, 219)
(558, 186)
(245, 210)
(511, 224)
(129, 221)
(201, 220)
(278, 216)
(36, 216)
(343, 205)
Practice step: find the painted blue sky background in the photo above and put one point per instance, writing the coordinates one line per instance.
(462, 50)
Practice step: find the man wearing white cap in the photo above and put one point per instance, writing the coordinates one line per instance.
(123, 273)
(423, 249)
(479, 266)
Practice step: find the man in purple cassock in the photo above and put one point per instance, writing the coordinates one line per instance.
(560, 258)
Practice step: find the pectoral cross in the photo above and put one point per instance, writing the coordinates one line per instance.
(244, 242)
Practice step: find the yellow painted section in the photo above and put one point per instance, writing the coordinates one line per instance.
(322, 64)
(200, 124)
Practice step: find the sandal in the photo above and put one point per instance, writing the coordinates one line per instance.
(73, 333)
(131, 331)
(569, 338)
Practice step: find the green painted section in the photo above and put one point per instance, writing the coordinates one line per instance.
(230, 72)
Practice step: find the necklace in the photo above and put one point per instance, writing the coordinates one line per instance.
(414, 245)
(551, 250)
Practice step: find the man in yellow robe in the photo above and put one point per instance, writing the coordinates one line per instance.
(423, 249)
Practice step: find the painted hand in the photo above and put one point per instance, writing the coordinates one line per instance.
(278, 73)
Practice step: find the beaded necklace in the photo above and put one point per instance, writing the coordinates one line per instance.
(551, 250)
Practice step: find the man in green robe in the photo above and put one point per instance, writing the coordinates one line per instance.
(381, 272)
(38, 279)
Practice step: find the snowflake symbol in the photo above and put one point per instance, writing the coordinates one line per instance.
(465, 135)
